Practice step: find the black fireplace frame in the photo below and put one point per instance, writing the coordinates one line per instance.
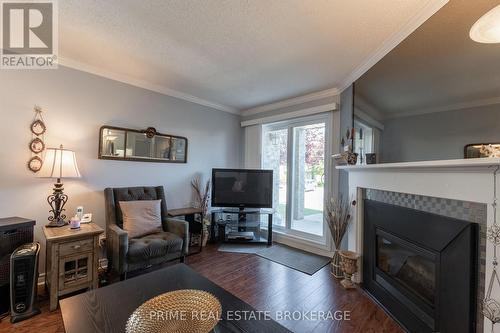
(453, 247)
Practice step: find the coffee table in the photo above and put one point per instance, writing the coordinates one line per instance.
(107, 309)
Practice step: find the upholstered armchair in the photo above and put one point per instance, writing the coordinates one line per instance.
(129, 254)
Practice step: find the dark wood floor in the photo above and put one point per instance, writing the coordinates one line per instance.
(267, 286)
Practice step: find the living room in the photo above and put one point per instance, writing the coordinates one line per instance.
(249, 166)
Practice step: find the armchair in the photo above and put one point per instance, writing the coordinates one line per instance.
(129, 254)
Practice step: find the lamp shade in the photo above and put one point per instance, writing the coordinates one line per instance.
(487, 28)
(59, 163)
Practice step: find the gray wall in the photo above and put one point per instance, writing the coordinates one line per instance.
(346, 122)
(438, 136)
(75, 105)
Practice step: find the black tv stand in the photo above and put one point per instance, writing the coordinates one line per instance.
(242, 224)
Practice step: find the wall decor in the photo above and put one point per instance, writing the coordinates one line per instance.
(125, 144)
(478, 150)
(491, 306)
(37, 145)
(35, 164)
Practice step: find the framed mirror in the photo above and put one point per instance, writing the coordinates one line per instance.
(116, 143)
(435, 93)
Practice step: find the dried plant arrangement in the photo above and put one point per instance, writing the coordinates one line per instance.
(338, 217)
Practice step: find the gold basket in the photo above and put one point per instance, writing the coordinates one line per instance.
(180, 311)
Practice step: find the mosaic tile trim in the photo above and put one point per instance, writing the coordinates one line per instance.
(463, 210)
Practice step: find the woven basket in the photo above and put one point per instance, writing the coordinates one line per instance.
(180, 311)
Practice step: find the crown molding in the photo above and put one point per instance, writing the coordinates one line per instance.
(451, 107)
(145, 85)
(389, 44)
(290, 115)
(292, 101)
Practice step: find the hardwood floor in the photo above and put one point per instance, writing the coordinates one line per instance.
(267, 286)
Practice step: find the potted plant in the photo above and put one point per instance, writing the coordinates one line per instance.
(201, 201)
(338, 217)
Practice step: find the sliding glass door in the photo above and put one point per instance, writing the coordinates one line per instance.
(296, 151)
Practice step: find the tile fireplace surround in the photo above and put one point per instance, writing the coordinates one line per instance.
(461, 189)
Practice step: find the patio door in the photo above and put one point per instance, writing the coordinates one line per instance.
(296, 151)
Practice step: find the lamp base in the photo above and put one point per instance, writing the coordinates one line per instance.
(56, 224)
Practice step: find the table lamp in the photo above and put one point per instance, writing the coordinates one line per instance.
(58, 163)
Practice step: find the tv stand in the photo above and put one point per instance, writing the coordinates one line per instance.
(240, 226)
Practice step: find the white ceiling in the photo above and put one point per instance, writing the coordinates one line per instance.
(234, 54)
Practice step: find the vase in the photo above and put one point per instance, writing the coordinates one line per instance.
(335, 265)
(349, 265)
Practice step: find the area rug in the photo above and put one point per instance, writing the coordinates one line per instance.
(241, 248)
(297, 259)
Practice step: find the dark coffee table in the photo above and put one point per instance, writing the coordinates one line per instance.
(107, 309)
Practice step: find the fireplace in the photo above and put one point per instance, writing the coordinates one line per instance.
(421, 267)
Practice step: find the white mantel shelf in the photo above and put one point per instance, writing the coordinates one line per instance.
(473, 163)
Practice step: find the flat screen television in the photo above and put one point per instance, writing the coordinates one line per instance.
(242, 188)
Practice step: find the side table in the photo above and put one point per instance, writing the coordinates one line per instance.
(189, 216)
(71, 260)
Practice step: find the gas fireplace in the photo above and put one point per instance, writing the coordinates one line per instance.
(421, 267)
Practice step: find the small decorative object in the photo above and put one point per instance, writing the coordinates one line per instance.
(338, 217)
(38, 126)
(74, 222)
(59, 163)
(35, 164)
(186, 311)
(491, 306)
(478, 150)
(150, 132)
(340, 159)
(349, 265)
(37, 146)
(202, 198)
(347, 156)
(371, 158)
(352, 158)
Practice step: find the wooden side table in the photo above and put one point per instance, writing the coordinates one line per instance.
(189, 216)
(71, 260)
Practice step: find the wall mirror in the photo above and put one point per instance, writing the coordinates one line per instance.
(434, 94)
(116, 143)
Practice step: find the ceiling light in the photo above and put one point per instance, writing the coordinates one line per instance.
(487, 28)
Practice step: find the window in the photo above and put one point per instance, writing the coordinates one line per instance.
(296, 151)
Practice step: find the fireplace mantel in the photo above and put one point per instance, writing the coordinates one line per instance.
(464, 179)
(474, 163)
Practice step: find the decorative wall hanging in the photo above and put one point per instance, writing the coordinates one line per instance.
(37, 145)
(491, 306)
(124, 144)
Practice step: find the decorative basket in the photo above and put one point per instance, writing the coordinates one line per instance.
(180, 311)
(345, 158)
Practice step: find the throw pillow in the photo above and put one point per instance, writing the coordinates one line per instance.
(141, 217)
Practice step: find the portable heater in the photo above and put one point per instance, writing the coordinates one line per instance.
(14, 231)
(23, 282)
